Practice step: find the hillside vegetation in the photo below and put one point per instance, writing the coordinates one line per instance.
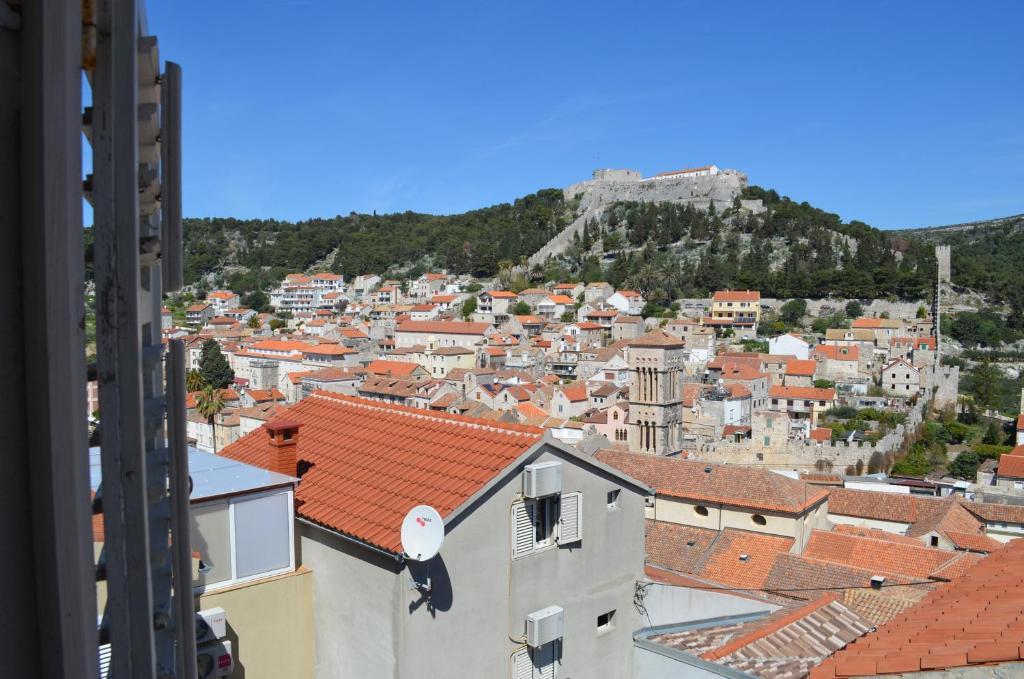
(253, 254)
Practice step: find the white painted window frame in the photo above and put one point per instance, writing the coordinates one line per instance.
(231, 502)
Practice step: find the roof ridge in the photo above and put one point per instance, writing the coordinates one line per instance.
(471, 422)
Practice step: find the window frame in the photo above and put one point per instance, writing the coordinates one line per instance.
(613, 499)
(231, 501)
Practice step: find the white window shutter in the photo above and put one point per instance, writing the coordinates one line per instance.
(522, 529)
(522, 664)
(570, 520)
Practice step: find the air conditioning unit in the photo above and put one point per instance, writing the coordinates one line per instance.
(211, 624)
(544, 626)
(214, 660)
(542, 479)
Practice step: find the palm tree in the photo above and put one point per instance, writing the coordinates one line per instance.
(194, 380)
(209, 402)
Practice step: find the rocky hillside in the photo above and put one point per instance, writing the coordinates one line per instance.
(987, 256)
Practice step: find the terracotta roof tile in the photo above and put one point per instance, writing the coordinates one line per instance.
(736, 296)
(736, 486)
(393, 368)
(838, 353)
(971, 620)
(885, 556)
(809, 393)
(1012, 466)
(675, 546)
(799, 368)
(725, 562)
(370, 463)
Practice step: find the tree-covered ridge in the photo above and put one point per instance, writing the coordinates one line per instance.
(987, 256)
(257, 253)
(791, 250)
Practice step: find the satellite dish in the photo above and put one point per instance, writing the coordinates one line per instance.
(422, 533)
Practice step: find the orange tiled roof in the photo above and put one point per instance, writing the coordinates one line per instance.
(444, 327)
(657, 338)
(809, 393)
(736, 486)
(392, 368)
(675, 546)
(500, 294)
(1012, 464)
(973, 620)
(724, 563)
(822, 434)
(575, 392)
(867, 504)
(876, 533)
(291, 346)
(561, 299)
(737, 296)
(870, 553)
(328, 350)
(371, 463)
(801, 368)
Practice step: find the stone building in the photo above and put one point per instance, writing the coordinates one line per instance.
(656, 393)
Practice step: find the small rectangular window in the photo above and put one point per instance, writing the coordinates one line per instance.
(613, 499)
(604, 621)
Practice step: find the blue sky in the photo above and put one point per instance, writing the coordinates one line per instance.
(898, 114)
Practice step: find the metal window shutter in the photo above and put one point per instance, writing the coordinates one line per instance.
(522, 664)
(522, 529)
(570, 520)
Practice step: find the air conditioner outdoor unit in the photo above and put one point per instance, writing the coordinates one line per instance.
(214, 660)
(211, 624)
(542, 479)
(544, 626)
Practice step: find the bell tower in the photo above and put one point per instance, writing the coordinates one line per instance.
(656, 394)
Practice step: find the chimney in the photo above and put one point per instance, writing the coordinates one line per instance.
(284, 439)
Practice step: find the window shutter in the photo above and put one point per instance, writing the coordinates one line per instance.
(522, 665)
(522, 529)
(570, 520)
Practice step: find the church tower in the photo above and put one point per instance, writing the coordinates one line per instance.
(656, 394)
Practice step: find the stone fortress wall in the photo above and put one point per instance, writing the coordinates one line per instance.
(610, 185)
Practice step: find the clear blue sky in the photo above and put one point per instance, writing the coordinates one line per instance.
(896, 113)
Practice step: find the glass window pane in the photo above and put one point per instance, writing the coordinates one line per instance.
(261, 535)
(211, 537)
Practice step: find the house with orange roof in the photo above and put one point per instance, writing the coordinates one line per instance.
(1010, 470)
(799, 373)
(564, 529)
(717, 496)
(572, 290)
(742, 306)
(837, 363)
(628, 302)
(496, 303)
(436, 334)
(222, 300)
(428, 285)
(551, 307)
(570, 400)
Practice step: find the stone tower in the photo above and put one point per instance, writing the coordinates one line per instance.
(656, 394)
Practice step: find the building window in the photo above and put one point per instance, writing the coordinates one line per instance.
(759, 520)
(613, 499)
(701, 510)
(604, 621)
(935, 541)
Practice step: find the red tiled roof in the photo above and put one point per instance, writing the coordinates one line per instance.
(1012, 464)
(822, 434)
(289, 346)
(876, 533)
(266, 395)
(725, 563)
(867, 323)
(801, 368)
(868, 504)
(392, 368)
(657, 338)
(724, 484)
(575, 392)
(226, 394)
(684, 171)
(500, 294)
(737, 296)
(560, 299)
(675, 546)
(328, 350)
(444, 327)
(371, 463)
(809, 393)
(973, 620)
(884, 556)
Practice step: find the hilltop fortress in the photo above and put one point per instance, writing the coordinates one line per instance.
(699, 186)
